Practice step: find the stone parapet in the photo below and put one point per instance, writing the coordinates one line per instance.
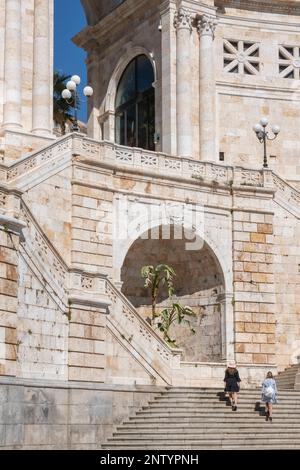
(39, 414)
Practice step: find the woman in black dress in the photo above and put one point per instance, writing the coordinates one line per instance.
(232, 384)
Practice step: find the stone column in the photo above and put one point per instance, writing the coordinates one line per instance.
(182, 23)
(222, 306)
(41, 102)
(13, 66)
(168, 82)
(207, 105)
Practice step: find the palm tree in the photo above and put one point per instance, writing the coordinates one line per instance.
(175, 314)
(62, 110)
(156, 277)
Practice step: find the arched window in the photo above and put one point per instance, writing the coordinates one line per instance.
(135, 106)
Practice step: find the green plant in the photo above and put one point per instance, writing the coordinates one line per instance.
(62, 110)
(155, 278)
(175, 314)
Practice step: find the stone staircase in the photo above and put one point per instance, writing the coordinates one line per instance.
(287, 378)
(193, 418)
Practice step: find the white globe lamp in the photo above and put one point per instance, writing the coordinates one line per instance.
(88, 91)
(71, 85)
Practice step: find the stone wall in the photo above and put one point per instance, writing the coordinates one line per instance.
(256, 85)
(51, 415)
(198, 282)
(92, 213)
(50, 202)
(254, 288)
(287, 282)
(42, 329)
(9, 260)
(87, 345)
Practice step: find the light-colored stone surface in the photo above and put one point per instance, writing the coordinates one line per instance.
(73, 304)
(26, 75)
(53, 415)
(225, 102)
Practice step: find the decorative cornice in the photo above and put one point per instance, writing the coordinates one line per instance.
(88, 301)
(206, 25)
(183, 19)
(12, 224)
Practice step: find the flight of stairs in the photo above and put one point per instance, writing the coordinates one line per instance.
(287, 378)
(193, 418)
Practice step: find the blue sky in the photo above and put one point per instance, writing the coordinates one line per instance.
(69, 19)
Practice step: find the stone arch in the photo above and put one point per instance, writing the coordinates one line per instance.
(124, 246)
(107, 108)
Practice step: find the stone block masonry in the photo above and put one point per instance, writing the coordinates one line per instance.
(92, 212)
(253, 272)
(60, 415)
(9, 243)
(87, 344)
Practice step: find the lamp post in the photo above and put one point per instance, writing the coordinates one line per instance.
(263, 136)
(70, 95)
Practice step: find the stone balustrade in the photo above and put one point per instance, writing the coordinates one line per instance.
(157, 163)
(93, 288)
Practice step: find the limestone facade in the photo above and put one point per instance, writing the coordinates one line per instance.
(26, 76)
(220, 66)
(73, 307)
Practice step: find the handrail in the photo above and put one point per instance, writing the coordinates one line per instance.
(113, 292)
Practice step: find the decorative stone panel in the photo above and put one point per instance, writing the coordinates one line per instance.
(289, 62)
(241, 57)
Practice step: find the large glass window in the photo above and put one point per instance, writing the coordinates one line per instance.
(135, 109)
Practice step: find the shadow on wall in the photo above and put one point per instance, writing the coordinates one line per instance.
(199, 281)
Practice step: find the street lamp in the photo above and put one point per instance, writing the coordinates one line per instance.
(70, 95)
(262, 134)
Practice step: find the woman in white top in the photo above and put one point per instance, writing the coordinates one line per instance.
(269, 394)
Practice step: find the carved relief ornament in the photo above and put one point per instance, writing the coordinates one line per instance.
(206, 25)
(183, 19)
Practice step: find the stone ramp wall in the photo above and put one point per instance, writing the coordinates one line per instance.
(53, 415)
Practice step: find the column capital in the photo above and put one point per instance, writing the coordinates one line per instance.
(206, 25)
(183, 19)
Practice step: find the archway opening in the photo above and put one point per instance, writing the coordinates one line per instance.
(199, 284)
(135, 105)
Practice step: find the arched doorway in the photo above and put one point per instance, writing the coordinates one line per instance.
(135, 105)
(199, 283)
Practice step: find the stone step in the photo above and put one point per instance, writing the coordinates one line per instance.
(286, 377)
(210, 402)
(232, 439)
(185, 418)
(262, 446)
(291, 373)
(200, 406)
(206, 432)
(286, 381)
(229, 419)
(290, 393)
(206, 426)
(220, 415)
